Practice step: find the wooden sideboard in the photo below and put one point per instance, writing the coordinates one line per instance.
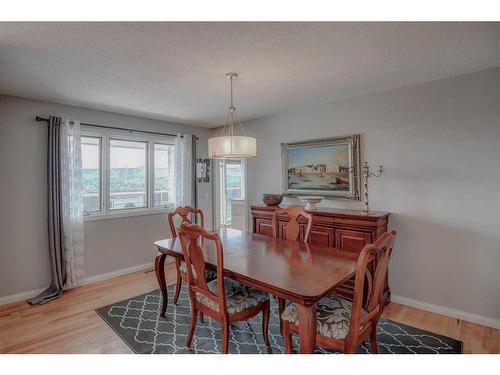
(344, 229)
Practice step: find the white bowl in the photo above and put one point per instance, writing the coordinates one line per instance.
(310, 201)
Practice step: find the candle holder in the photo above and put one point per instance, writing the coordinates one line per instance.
(365, 175)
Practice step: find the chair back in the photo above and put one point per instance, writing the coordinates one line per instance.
(292, 229)
(184, 213)
(380, 252)
(191, 235)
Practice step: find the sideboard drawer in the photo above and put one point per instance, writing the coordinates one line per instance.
(352, 240)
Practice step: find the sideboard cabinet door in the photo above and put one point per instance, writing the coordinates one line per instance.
(352, 240)
(263, 226)
(321, 236)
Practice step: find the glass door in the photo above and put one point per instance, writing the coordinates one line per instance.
(229, 190)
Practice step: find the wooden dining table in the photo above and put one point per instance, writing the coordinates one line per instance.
(295, 271)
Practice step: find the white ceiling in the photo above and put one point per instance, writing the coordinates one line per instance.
(175, 71)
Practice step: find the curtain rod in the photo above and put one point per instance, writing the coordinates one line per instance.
(38, 118)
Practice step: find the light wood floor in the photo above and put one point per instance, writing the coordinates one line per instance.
(70, 324)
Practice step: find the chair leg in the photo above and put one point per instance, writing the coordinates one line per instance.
(287, 336)
(201, 318)
(373, 341)
(281, 309)
(179, 282)
(265, 322)
(192, 327)
(349, 348)
(225, 337)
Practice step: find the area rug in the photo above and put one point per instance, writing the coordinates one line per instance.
(138, 323)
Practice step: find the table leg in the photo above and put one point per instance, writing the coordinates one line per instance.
(160, 276)
(281, 309)
(307, 328)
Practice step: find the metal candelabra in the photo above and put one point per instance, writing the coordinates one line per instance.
(365, 175)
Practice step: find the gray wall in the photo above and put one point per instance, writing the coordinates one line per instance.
(440, 145)
(110, 245)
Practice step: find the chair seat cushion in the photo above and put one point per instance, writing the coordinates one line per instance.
(333, 315)
(239, 297)
(209, 275)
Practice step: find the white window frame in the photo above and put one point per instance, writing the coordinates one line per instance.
(106, 135)
(100, 211)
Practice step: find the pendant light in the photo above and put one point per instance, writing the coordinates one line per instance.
(228, 145)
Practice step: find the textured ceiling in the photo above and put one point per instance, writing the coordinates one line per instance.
(175, 71)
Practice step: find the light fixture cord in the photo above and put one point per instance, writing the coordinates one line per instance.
(231, 110)
(231, 115)
(231, 92)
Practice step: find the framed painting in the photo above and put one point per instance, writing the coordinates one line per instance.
(327, 167)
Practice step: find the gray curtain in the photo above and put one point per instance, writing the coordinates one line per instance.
(54, 219)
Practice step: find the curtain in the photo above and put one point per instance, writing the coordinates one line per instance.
(64, 216)
(184, 169)
(54, 223)
(72, 202)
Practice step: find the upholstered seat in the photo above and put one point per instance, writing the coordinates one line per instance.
(182, 267)
(209, 275)
(333, 315)
(238, 297)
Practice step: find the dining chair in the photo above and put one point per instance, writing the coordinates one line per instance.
(222, 299)
(180, 266)
(292, 228)
(291, 232)
(344, 325)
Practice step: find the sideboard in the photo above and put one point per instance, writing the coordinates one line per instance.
(344, 229)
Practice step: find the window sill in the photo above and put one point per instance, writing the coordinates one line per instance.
(126, 213)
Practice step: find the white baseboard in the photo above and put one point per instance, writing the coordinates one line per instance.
(88, 280)
(21, 296)
(123, 271)
(453, 313)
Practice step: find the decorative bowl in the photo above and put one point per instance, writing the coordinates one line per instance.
(310, 201)
(271, 199)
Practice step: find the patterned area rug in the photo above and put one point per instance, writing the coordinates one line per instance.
(138, 323)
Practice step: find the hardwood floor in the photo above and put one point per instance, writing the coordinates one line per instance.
(70, 324)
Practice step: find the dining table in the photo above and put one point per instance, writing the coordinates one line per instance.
(295, 271)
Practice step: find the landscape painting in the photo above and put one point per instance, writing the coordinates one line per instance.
(322, 167)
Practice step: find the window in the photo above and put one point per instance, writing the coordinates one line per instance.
(91, 174)
(126, 175)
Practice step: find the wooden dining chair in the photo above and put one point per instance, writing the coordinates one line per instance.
(292, 229)
(292, 232)
(222, 299)
(344, 325)
(180, 266)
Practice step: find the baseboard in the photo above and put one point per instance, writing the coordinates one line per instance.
(20, 296)
(453, 313)
(123, 271)
(88, 280)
